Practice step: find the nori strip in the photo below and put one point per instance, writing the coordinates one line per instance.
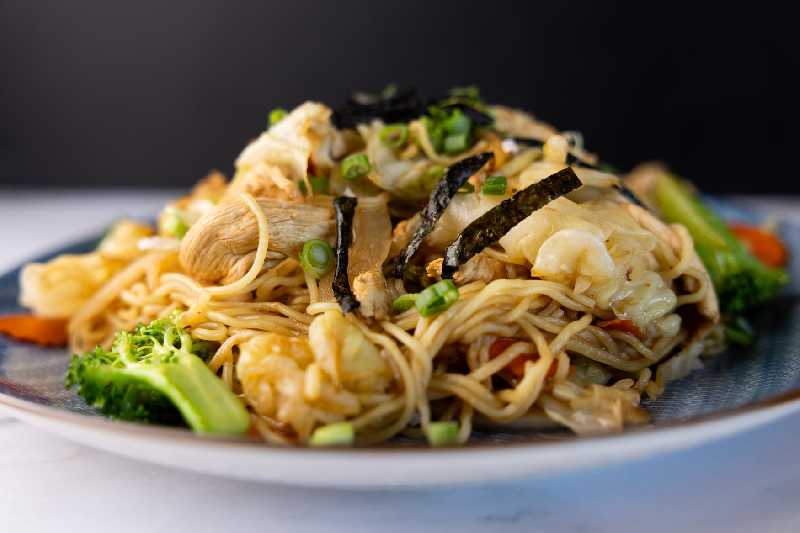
(400, 107)
(495, 223)
(525, 141)
(630, 195)
(456, 176)
(345, 207)
(572, 160)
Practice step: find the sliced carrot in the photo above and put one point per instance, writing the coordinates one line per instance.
(499, 346)
(35, 329)
(516, 368)
(627, 326)
(766, 246)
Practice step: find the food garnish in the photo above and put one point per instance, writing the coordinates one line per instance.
(345, 209)
(455, 178)
(495, 223)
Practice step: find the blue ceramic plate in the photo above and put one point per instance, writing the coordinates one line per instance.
(734, 392)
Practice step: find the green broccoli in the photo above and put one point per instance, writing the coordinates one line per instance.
(741, 280)
(157, 375)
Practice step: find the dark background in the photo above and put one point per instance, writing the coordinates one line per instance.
(156, 93)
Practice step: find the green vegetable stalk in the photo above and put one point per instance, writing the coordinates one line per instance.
(741, 280)
(156, 375)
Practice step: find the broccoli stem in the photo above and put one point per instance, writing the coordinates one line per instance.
(152, 375)
(741, 280)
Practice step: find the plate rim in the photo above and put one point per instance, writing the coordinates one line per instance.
(746, 416)
(14, 404)
(354, 468)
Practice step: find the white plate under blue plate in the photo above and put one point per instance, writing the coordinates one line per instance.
(736, 391)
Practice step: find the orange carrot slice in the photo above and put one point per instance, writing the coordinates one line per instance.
(623, 325)
(35, 329)
(766, 246)
(516, 368)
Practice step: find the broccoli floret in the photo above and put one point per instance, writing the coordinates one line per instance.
(157, 374)
(741, 280)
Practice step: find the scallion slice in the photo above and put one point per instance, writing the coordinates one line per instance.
(436, 298)
(174, 223)
(319, 184)
(316, 257)
(404, 302)
(457, 123)
(336, 434)
(456, 143)
(355, 165)
(276, 115)
(435, 133)
(394, 135)
(495, 185)
(442, 433)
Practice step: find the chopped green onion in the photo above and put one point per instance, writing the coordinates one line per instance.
(404, 302)
(174, 223)
(494, 185)
(466, 188)
(302, 186)
(442, 433)
(456, 143)
(390, 91)
(354, 166)
(336, 434)
(316, 257)
(469, 91)
(319, 184)
(276, 115)
(739, 331)
(394, 135)
(437, 298)
(435, 133)
(457, 123)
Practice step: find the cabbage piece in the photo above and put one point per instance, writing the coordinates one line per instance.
(306, 134)
(346, 355)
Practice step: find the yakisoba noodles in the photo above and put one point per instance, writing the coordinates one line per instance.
(569, 318)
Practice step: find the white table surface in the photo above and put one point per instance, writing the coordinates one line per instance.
(747, 483)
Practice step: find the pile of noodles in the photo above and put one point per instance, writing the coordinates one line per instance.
(414, 369)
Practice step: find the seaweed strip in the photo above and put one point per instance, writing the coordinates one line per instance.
(401, 107)
(525, 141)
(345, 207)
(495, 223)
(630, 195)
(456, 176)
(573, 160)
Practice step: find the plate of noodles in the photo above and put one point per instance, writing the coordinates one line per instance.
(404, 291)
